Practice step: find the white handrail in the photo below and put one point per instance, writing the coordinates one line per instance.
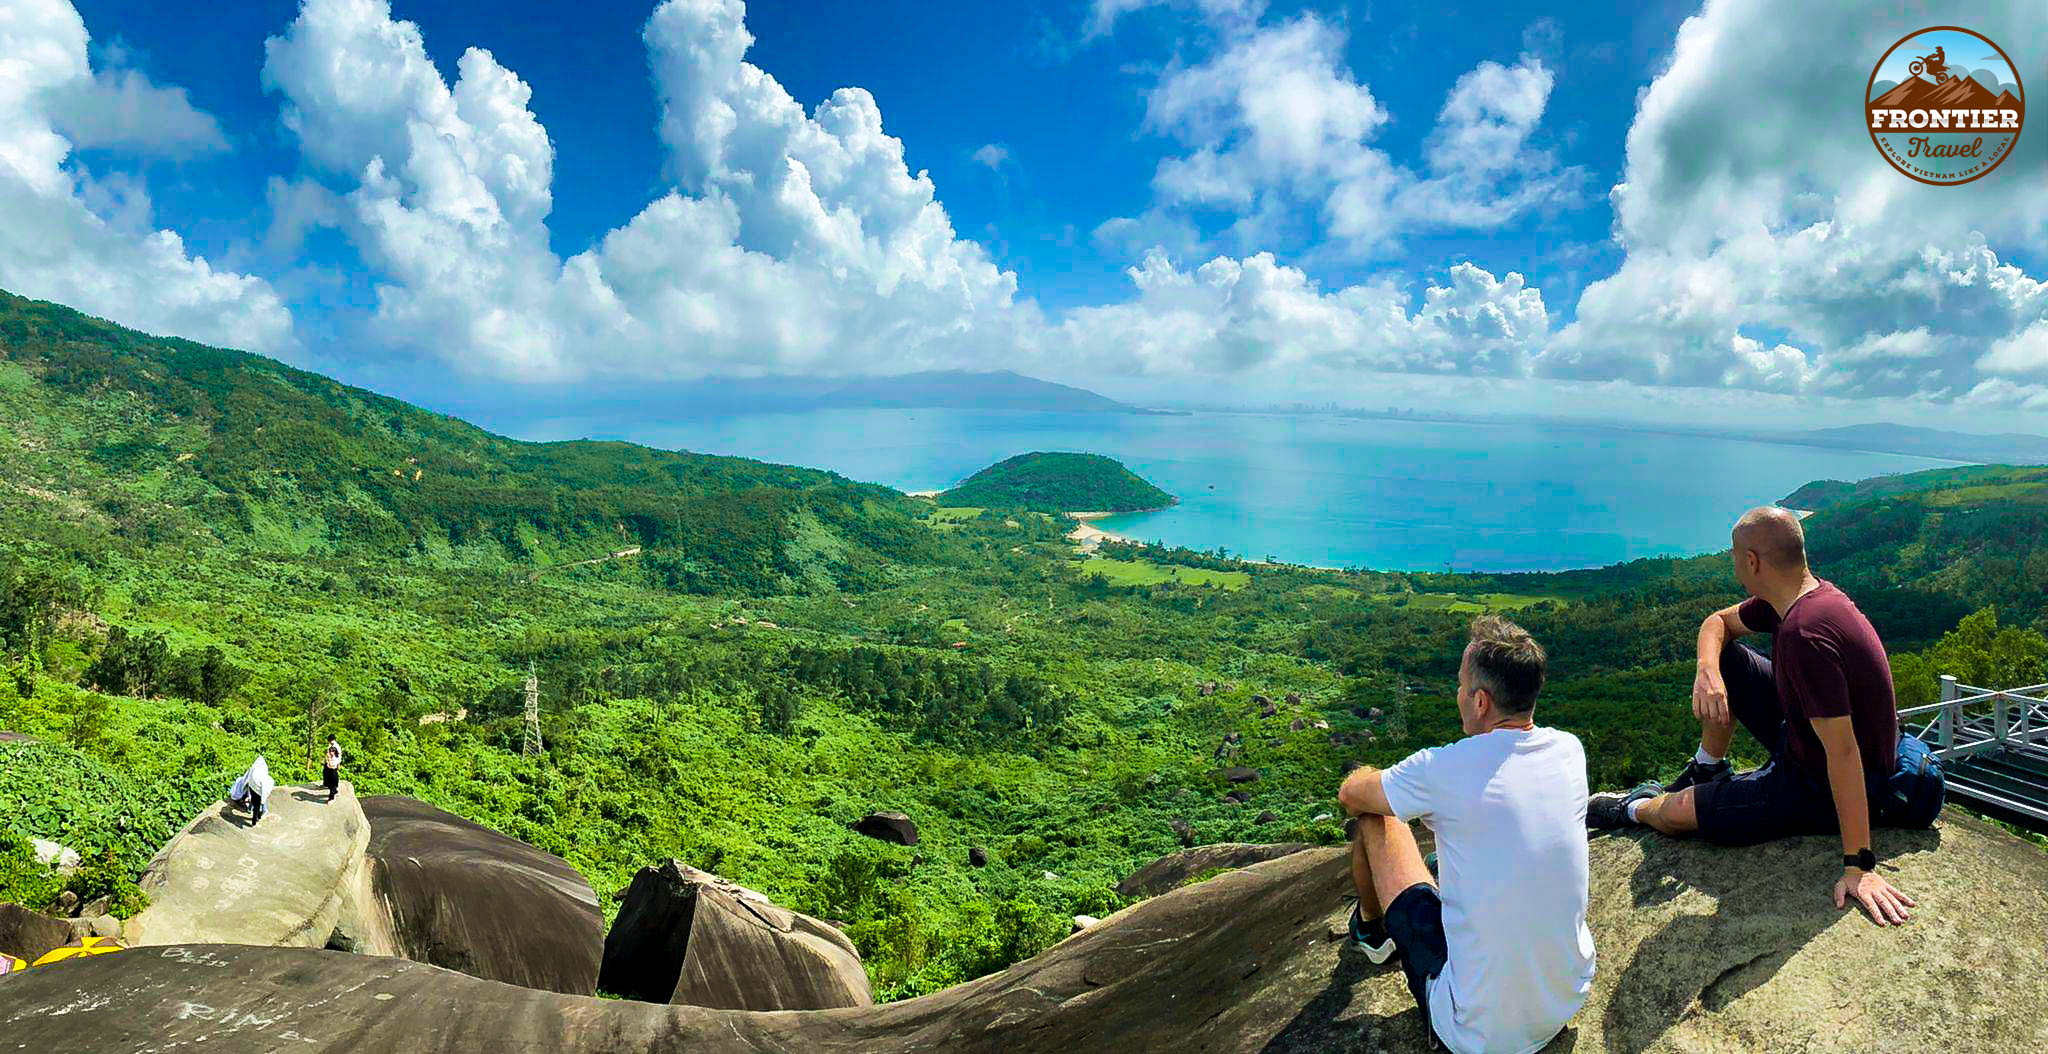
(2003, 718)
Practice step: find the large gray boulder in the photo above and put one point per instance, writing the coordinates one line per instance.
(294, 879)
(27, 934)
(1701, 949)
(690, 937)
(459, 895)
(888, 827)
(1172, 871)
(472, 899)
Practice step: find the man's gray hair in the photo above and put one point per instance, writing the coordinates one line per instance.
(1507, 662)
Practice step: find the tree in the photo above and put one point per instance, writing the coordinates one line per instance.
(204, 676)
(780, 709)
(130, 663)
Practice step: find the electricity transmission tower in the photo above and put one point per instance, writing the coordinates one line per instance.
(533, 744)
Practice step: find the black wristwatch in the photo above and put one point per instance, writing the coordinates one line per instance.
(1863, 861)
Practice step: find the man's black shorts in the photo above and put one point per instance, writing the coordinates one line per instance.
(1416, 921)
(1773, 802)
(1777, 801)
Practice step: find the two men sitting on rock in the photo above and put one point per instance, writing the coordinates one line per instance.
(1500, 957)
(1822, 703)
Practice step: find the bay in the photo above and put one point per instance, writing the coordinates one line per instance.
(1325, 490)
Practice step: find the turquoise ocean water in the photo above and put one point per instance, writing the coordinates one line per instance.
(1329, 491)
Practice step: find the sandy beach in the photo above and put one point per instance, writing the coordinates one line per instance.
(1087, 534)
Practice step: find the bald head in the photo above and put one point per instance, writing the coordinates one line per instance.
(1775, 536)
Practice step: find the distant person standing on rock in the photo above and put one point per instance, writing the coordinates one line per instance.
(1501, 957)
(1821, 703)
(330, 769)
(252, 790)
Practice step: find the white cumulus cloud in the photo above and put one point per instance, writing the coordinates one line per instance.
(994, 155)
(123, 110)
(791, 242)
(1275, 128)
(1234, 315)
(86, 242)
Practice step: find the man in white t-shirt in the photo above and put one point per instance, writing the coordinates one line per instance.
(1501, 958)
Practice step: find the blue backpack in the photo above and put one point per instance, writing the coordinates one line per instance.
(1913, 796)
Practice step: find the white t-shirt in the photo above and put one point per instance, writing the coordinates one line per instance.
(1509, 811)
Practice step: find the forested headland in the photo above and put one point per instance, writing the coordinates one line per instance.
(1058, 483)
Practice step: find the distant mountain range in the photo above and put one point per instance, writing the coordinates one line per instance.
(2007, 448)
(512, 408)
(958, 389)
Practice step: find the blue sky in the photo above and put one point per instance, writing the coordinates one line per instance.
(1964, 55)
(1574, 208)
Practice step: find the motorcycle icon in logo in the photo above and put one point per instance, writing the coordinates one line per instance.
(1935, 66)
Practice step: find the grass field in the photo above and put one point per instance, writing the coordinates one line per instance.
(947, 517)
(1462, 603)
(1146, 573)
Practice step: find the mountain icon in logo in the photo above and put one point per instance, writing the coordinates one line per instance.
(1918, 93)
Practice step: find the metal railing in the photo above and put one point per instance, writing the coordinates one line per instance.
(2003, 733)
(1970, 720)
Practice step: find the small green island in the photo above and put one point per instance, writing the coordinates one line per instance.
(1053, 482)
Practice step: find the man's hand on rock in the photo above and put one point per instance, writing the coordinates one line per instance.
(1885, 906)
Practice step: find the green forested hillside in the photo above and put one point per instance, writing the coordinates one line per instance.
(1963, 481)
(159, 440)
(787, 652)
(1058, 483)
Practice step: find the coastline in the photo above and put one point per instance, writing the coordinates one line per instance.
(1089, 536)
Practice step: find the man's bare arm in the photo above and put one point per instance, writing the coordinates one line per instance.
(1709, 692)
(1362, 792)
(1877, 898)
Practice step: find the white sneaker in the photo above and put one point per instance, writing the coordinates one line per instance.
(1378, 952)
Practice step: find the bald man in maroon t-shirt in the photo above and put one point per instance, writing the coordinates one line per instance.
(1822, 703)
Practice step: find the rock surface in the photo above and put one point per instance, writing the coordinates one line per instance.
(692, 938)
(285, 881)
(462, 896)
(1701, 950)
(888, 827)
(27, 934)
(1172, 871)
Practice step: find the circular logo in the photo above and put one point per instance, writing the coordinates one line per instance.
(1944, 105)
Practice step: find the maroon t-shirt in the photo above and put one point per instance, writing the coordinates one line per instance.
(1828, 662)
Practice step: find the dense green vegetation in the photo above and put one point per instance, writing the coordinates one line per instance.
(1943, 485)
(1058, 483)
(788, 651)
